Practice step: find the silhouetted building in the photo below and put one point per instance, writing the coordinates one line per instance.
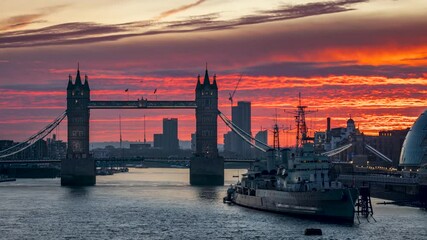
(390, 144)
(56, 149)
(168, 140)
(158, 140)
(139, 146)
(37, 151)
(340, 136)
(228, 141)
(261, 136)
(193, 142)
(170, 134)
(5, 144)
(101, 153)
(241, 116)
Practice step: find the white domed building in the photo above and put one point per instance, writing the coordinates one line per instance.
(414, 150)
(340, 136)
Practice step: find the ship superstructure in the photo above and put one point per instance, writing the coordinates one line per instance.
(300, 181)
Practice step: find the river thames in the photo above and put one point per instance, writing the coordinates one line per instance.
(159, 203)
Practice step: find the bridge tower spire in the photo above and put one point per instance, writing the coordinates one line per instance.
(78, 169)
(207, 167)
(206, 118)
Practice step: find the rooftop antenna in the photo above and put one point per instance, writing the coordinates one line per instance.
(145, 140)
(120, 127)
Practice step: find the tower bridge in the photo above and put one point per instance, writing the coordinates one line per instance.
(79, 168)
(206, 168)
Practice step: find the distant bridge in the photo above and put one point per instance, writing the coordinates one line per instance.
(378, 178)
(148, 159)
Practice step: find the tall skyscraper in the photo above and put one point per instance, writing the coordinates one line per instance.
(170, 134)
(158, 140)
(228, 142)
(241, 116)
(193, 142)
(261, 136)
(168, 140)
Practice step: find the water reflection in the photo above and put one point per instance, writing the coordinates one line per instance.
(209, 193)
(78, 192)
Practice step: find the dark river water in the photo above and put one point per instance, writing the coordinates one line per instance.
(160, 204)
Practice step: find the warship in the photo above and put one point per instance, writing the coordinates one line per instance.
(296, 181)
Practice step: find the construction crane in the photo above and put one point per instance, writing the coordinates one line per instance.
(231, 95)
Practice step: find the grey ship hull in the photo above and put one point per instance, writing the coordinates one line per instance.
(337, 204)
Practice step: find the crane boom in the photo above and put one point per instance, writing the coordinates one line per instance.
(235, 89)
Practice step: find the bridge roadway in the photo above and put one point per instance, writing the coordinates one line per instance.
(143, 103)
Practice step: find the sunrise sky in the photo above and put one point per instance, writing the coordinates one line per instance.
(364, 58)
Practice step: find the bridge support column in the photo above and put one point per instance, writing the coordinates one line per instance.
(78, 172)
(207, 171)
(206, 167)
(78, 169)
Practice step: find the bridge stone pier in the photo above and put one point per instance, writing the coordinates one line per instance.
(206, 166)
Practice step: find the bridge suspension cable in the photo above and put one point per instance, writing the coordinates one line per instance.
(377, 153)
(34, 138)
(336, 151)
(242, 134)
(367, 146)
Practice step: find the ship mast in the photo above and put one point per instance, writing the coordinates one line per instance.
(276, 142)
(302, 131)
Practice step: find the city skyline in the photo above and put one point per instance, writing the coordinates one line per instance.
(368, 60)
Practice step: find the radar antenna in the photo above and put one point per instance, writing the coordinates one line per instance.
(302, 130)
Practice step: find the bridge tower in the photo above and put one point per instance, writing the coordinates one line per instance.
(78, 169)
(207, 167)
